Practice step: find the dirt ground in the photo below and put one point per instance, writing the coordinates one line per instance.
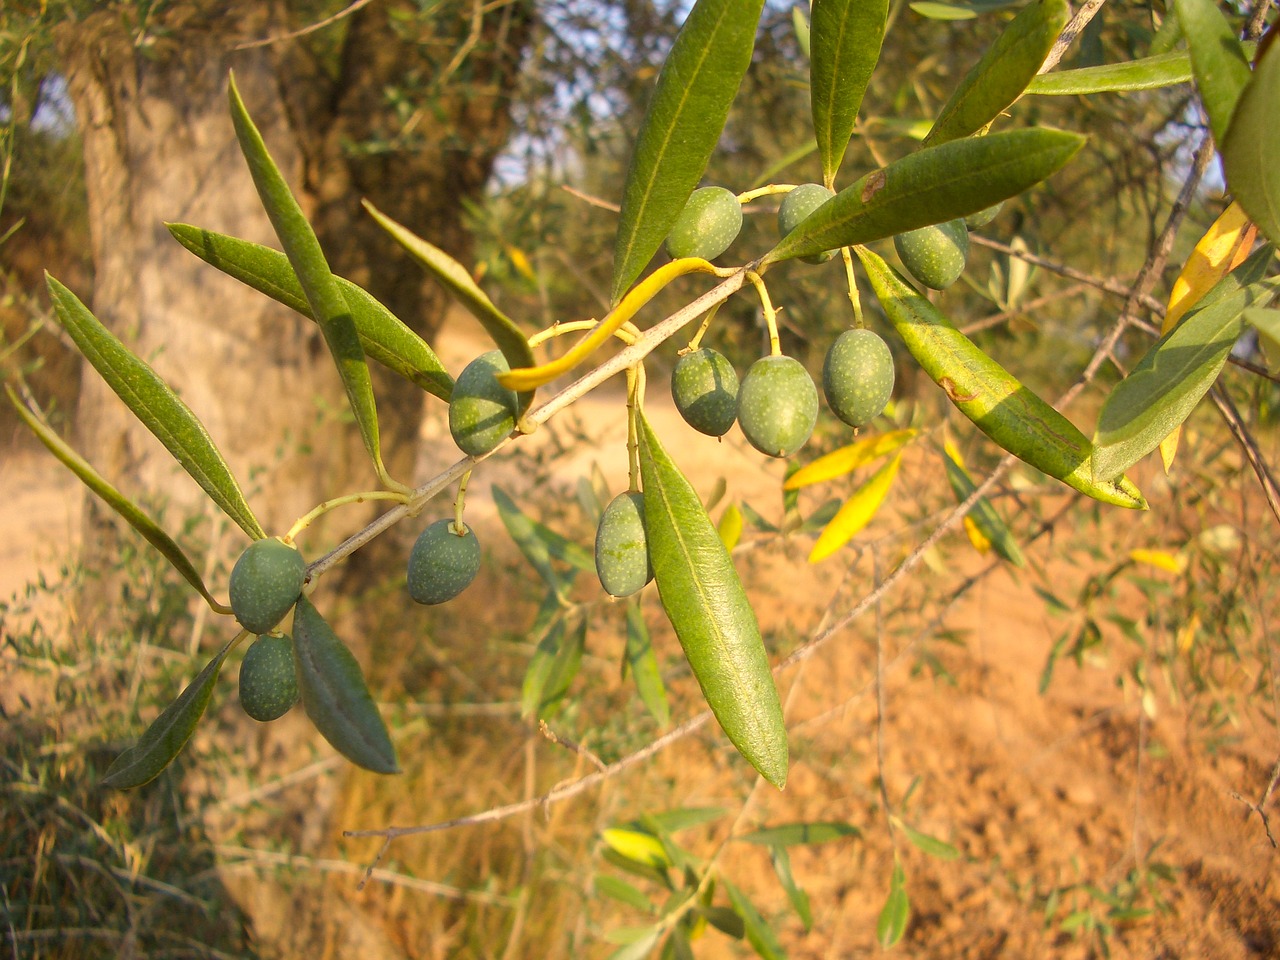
(1061, 803)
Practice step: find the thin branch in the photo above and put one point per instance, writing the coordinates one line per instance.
(312, 28)
(1070, 32)
(1235, 423)
(1260, 807)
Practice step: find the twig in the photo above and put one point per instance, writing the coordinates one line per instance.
(1235, 423)
(1070, 32)
(570, 745)
(588, 198)
(312, 28)
(1259, 807)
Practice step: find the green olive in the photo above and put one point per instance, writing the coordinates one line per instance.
(442, 563)
(268, 680)
(777, 406)
(796, 207)
(935, 255)
(482, 412)
(265, 584)
(622, 547)
(709, 222)
(857, 376)
(704, 386)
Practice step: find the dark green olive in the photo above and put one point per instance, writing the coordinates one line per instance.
(265, 584)
(622, 546)
(796, 207)
(708, 224)
(980, 219)
(268, 681)
(935, 255)
(777, 406)
(442, 563)
(704, 386)
(857, 376)
(482, 412)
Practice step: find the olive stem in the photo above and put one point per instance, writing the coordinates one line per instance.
(635, 398)
(460, 528)
(321, 509)
(696, 339)
(770, 314)
(628, 333)
(854, 297)
(771, 190)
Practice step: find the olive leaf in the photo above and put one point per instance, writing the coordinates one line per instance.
(856, 512)
(548, 627)
(329, 307)
(385, 337)
(454, 277)
(640, 942)
(169, 732)
(1148, 73)
(539, 543)
(638, 845)
(989, 523)
(796, 834)
(759, 934)
(931, 185)
(1252, 144)
(155, 405)
(117, 501)
(849, 458)
(845, 39)
(781, 861)
(1167, 383)
(892, 922)
(1217, 60)
(335, 695)
(710, 613)
(643, 664)
(1004, 71)
(623, 892)
(681, 127)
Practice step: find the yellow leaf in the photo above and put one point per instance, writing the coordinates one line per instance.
(730, 526)
(847, 459)
(976, 536)
(1162, 559)
(521, 263)
(1187, 634)
(636, 845)
(856, 512)
(1224, 247)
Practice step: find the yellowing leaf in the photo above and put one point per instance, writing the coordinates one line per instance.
(1163, 559)
(730, 526)
(635, 845)
(976, 536)
(521, 263)
(847, 459)
(856, 512)
(1224, 247)
(1187, 634)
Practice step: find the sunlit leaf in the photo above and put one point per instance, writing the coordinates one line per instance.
(987, 523)
(730, 526)
(800, 25)
(1252, 144)
(845, 45)
(168, 733)
(637, 845)
(932, 10)
(156, 406)
(892, 922)
(1164, 70)
(1217, 60)
(856, 512)
(931, 845)
(1267, 323)
(850, 458)
(645, 939)
(1175, 563)
(681, 127)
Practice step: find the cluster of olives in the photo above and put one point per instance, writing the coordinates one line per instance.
(265, 584)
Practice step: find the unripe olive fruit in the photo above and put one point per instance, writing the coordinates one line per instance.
(482, 411)
(777, 405)
(268, 681)
(442, 563)
(265, 584)
(980, 219)
(857, 376)
(622, 546)
(709, 222)
(796, 207)
(704, 386)
(935, 255)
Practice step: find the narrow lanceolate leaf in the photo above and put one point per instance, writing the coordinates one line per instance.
(335, 695)
(730, 526)
(796, 834)
(548, 627)
(539, 543)
(328, 306)
(1149, 73)
(384, 336)
(759, 934)
(155, 405)
(643, 664)
(680, 130)
(928, 844)
(799, 899)
(892, 922)
(856, 512)
(845, 45)
(1217, 60)
(709, 611)
(850, 458)
(638, 845)
(168, 733)
(1001, 407)
(1252, 144)
(1004, 71)
(453, 276)
(932, 185)
(989, 524)
(112, 497)
(1162, 390)
(623, 892)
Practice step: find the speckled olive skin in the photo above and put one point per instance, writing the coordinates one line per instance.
(980, 219)
(777, 406)
(442, 564)
(796, 207)
(708, 224)
(482, 411)
(265, 584)
(935, 255)
(622, 546)
(704, 386)
(268, 681)
(857, 376)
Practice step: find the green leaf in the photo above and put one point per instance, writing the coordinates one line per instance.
(169, 732)
(1149, 73)
(800, 25)
(645, 939)
(623, 892)
(1267, 323)
(990, 524)
(927, 844)
(710, 613)
(643, 663)
(328, 306)
(892, 923)
(1167, 383)
(113, 498)
(799, 899)
(155, 405)
(384, 336)
(681, 127)
(1217, 58)
(794, 834)
(657, 875)
(539, 543)
(564, 668)
(932, 10)
(725, 920)
(683, 818)
(1004, 71)
(548, 626)
(930, 186)
(759, 934)
(846, 38)
(335, 695)
(1252, 145)
(453, 276)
